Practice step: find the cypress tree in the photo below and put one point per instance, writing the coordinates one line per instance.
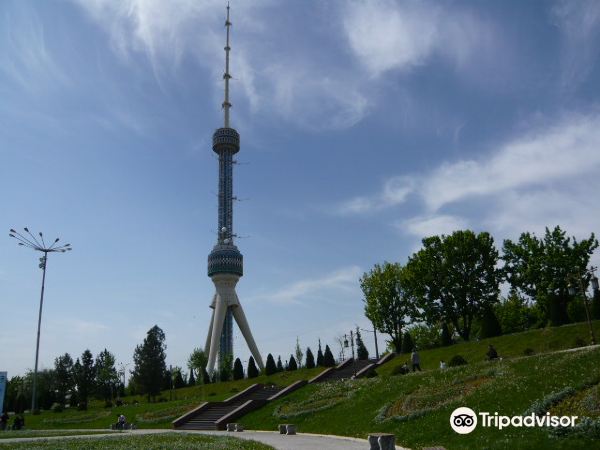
(361, 351)
(178, 381)
(238, 370)
(490, 327)
(310, 359)
(279, 364)
(328, 360)
(292, 364)
(407, 343)
(446, 336)
(320, 356)
(270, 367)
(252, 370)
(192, 379)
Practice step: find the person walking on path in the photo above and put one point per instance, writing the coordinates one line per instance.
(416, 360)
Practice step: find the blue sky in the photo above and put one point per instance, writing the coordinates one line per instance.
(365, 126)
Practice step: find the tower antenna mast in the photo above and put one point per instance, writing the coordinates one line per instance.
(226, 75)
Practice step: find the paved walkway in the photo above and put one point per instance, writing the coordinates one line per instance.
(301, 441)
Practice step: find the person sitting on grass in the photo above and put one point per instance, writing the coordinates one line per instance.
(443, 365)
(491, 353)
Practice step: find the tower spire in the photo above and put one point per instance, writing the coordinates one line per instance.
(226, 75)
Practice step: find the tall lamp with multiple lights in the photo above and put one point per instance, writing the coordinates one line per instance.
(577, 279)
(39, 245)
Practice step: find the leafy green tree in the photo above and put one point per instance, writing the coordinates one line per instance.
(197, 362)
(514, 314)
(270, 367)
(424, 336)
(328, 360)
(446, 337)
(252, 369)
(64, 380)
(310, 359)
(541, 268)
(361, 350)
(238, 369)
(292, 365)
(454, 278)
(320, 362)
(279, 364)
(106, 375)
(85, 377)
(149, 363)
(490, 326)
(407, 343)
(388, 304)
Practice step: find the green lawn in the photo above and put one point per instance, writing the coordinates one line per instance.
(167, 441)
(159, 414)
(417, 407)
(47, 433)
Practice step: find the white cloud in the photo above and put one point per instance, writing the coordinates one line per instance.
(386, 35)
(423, 226)
(566, 149)
(395, 191)
(306, 291)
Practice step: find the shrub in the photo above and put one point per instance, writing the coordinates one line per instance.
(371, 374)
(579, 342)
(119, 402)
(57, 407)
(108, 404)
(529, 351)
(400, 370)
(456, 361)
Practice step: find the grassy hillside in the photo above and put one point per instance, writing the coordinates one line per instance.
(159, 414)
(417, 407)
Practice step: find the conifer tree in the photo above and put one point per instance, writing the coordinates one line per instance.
(361, 351)
(270, 367)
(292, 364)
(149, 359)
(192, 379)
(320, 356)
(279, 364)
(252, 370)
(238, 370)
(310, 359)
(328, 360)
(85, 376)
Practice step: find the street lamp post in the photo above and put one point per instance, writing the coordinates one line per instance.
(374, 331)
(572, 291)
(352, 344)
(35, 244)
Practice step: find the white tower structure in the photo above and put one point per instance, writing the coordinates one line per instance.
(225, 262)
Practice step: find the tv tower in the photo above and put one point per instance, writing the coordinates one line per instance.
(225, 262)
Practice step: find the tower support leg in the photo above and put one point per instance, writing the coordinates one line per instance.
(240, 318)
(217, 328)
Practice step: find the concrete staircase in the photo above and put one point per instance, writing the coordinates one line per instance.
(350, 369)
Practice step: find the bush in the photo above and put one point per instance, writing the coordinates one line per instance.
(529, 351)
(579, 342)
(119, 402)
(456, 361)
(400, 370)
(57, 407)
(108, 404)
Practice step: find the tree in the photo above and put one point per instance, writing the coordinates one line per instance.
(85, 377)
(197, 361)
(226, 367)
(64, 380)
(279, 364)
(388, 304)
(320, 356)
(292, 365)
(106, 375)
(541, 268)
(446, 338)
(238, 369)
(454, 278)
(513, 313)
(298, 353)
(252, 370)
(595, 310)
(310, 359)
(191, 379)
(361, 351)
(328, 360)
(270, 367)
(149, 363)
(407, 343)
(178, 381)
(490, 327)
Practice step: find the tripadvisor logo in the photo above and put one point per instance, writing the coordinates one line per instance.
(463, 420)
